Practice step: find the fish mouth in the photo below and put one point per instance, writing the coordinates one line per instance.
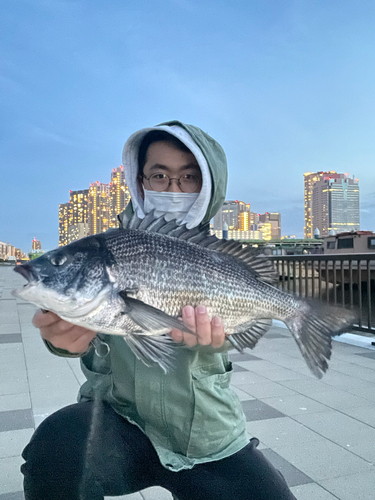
(27, 272)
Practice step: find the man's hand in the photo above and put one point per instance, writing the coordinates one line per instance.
(62, 334)
(208, 332)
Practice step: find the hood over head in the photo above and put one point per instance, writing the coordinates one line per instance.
(211, 160)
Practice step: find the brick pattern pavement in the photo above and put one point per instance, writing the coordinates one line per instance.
(319, 433)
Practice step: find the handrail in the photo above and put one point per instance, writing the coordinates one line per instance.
(338, 279)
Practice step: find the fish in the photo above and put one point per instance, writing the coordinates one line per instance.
(135, 280)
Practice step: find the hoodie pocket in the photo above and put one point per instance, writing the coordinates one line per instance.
(218, 417)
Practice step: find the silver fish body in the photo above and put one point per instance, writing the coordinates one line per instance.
(135, 281)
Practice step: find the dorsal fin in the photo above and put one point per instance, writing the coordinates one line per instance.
(261, 267)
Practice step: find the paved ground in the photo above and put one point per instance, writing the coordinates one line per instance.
(320, 434)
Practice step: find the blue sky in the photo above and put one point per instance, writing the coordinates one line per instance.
(285, 86)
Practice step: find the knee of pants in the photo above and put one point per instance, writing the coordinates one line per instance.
(57, 446)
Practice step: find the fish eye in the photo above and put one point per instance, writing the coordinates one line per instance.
(58, 260)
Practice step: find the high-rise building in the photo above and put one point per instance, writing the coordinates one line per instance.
(265, 229)
(273, 218)
(98, 207)
(231, 213)
(72, 213)
(36, 245)
(309, 179)
(78, 231)
(119, 195)
(65, 220)
(335, 204)
(79, 206)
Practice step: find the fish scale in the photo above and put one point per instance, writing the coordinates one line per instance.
(135, 281)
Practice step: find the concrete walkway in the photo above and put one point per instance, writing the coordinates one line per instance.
(319, 433)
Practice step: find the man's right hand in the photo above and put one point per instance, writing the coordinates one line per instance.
(62, 334)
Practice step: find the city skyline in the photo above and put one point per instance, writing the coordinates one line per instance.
(284, 87)
(74, 213)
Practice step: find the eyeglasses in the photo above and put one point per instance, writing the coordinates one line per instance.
(188, 183)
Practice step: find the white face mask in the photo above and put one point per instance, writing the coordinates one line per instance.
(171, 205)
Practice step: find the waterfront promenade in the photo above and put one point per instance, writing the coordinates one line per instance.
(319, 433)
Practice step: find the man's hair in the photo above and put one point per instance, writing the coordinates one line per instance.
(157, 136)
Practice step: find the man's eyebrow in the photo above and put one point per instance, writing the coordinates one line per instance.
(160, 166)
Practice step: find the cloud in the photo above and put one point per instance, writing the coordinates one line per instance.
(40, 133)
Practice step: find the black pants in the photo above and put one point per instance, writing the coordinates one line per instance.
(68, 459)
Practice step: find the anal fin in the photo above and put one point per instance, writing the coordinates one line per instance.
(249, 334)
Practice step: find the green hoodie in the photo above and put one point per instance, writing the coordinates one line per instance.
(191, 415)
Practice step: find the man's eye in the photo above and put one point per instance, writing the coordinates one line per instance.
(158, 176)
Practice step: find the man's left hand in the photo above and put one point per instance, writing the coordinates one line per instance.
(209, 332)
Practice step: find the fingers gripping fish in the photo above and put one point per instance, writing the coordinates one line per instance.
(134, 282)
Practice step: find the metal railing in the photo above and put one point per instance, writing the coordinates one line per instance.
(347, 280)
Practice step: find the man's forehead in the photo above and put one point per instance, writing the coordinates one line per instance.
(166, 156)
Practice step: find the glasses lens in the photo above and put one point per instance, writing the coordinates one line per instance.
(190, 183)
(159, 182)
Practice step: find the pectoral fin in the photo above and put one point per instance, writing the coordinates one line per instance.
(149, 318)
(154, 349)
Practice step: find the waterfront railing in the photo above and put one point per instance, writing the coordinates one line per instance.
(341, 279)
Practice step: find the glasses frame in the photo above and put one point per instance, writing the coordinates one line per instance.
(142, 176)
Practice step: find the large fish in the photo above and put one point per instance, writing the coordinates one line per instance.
(134, 282)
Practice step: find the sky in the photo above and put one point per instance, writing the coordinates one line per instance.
(285, 87)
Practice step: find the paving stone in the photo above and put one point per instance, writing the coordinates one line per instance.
(354, 486)
(266, 390)
(156, 493)
(16, 419)
(17, 495)
(364, 414)
(295, 405)
(312, 491)
(10, 474)
(322, 460)
(284, 432)
(10, 338)
(257, 410)
(133, 496)
(243, 357)
(275, 335)
(370, 355)
(13, 442)
(293, 476)
(15, 402)
(10, 328)
(237, 368)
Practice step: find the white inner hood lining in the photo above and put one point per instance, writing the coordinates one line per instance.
(130, 163)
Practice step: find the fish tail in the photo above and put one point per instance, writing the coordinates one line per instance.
(313, 325)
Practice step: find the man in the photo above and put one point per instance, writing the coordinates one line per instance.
(134, 426)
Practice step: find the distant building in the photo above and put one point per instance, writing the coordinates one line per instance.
(6, 250)
(119, 195)
(273, 218)
(350, 242)
(335, 204)
(232, 212)
(93, 210)
(235, 234)
(72, 214)
(98, 205)
(78, 231)
(36, 245)
(265, 229)
(309, 180)
(65, 218)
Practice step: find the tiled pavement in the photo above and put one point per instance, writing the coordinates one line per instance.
(319, 433)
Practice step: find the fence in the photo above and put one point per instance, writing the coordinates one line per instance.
(348, 280)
